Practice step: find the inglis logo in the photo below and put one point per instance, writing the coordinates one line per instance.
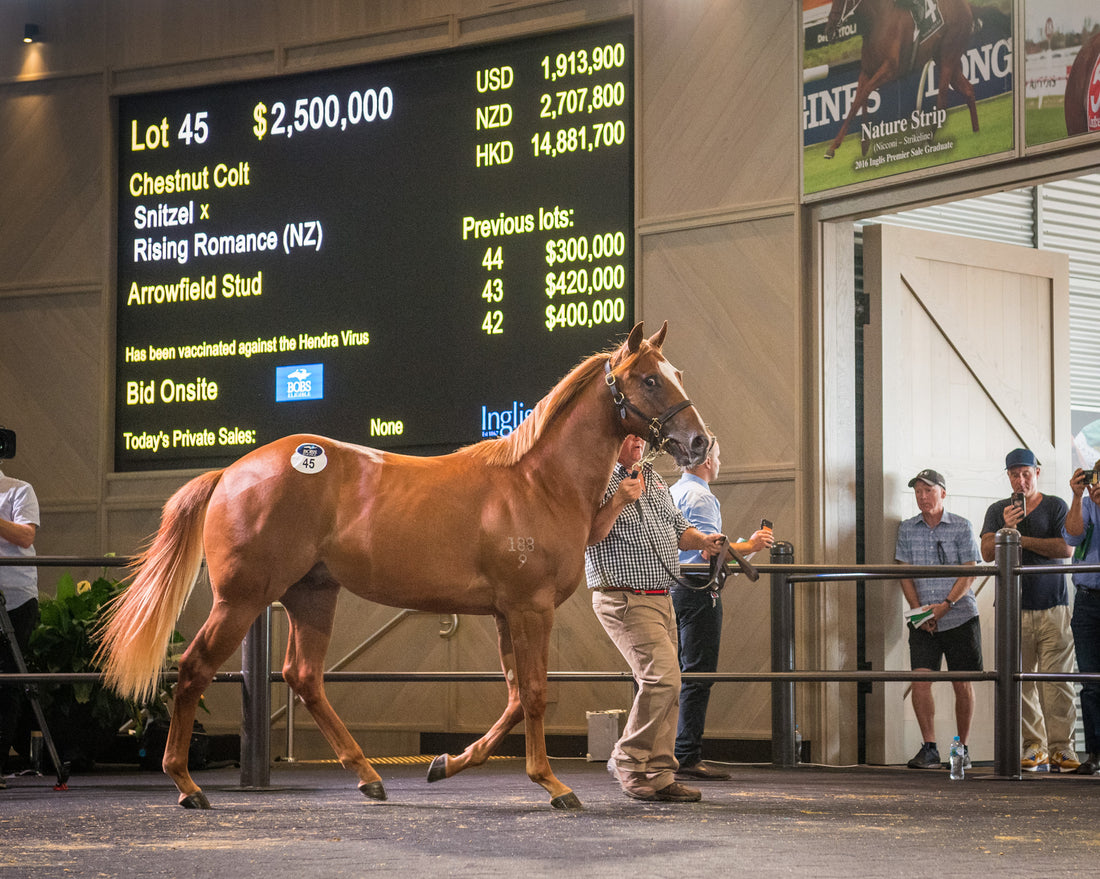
(304, 382)
(503, 422)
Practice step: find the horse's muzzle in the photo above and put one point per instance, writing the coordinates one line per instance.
(692, 453)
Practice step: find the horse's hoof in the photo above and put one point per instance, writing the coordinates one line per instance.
(438, 770)
(829, 154)
(197, 800)
(372, 789)
(567, 802)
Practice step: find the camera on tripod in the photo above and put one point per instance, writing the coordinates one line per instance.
(7, 443)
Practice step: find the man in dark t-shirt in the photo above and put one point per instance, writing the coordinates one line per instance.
(1048, 711)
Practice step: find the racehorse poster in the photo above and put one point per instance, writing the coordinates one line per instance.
(1061, 69)
(891, 86)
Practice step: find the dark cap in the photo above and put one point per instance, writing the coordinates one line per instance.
(929, 477)
(1021, 458)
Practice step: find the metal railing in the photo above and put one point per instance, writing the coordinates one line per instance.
(256, 675)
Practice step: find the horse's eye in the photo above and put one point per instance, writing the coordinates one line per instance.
(650, 381)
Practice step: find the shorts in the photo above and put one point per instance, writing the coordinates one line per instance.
(961, 645)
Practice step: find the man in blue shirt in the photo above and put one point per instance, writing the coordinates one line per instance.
(1081, 530)
(937, 537)
(699, 614)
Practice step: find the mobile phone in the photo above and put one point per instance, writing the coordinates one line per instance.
(1018, 501)
(1092, 476)
(765, 523)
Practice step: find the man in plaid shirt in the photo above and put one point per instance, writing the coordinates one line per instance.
(937, 537)
(633, 549)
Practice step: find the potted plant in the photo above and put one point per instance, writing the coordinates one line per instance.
(85, 718)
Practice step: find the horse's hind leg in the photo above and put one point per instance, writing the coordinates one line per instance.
(444, 766)
(219, 636)
(311, 607)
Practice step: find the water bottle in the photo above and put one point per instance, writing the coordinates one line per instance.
(797, 744)
(957, 770)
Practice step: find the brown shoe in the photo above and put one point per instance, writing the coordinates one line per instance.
(702, 771)
(678, 793)
(635, 785)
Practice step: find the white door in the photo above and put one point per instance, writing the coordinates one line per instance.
(966, 358)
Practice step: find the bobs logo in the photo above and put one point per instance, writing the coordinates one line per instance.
(503, 422)
(304, 382)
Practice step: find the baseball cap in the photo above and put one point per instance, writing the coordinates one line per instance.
(1020, 458)
(930, 477)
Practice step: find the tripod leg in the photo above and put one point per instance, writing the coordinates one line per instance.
(62, 769)
(31, 692)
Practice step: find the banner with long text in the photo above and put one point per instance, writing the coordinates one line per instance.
(944, 92)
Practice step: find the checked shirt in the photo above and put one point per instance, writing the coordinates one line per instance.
(625, 559)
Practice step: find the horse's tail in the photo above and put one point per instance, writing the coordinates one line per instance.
(139, 623)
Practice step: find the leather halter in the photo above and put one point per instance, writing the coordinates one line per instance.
(718, 568)
(656, 424)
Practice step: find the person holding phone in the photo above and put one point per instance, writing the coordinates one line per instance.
(1048, 712)
(699, 613)
(1082, 531)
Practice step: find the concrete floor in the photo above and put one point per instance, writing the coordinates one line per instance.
(810, 822)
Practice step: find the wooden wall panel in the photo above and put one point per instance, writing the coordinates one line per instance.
(72, 39)
(51, 376)
(730, 295)
(719, 108)
(53, 182)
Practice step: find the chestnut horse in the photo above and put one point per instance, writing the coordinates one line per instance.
(1085, 67)
(888, 52)
(496, 528)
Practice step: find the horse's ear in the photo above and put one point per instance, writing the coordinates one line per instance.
(658, 338)
(634, 340)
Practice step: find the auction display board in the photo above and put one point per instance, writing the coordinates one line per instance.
(406, 254)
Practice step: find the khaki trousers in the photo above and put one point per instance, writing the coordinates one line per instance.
(1048, 713)
(643, 627)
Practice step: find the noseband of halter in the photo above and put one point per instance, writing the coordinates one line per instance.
(656, 423)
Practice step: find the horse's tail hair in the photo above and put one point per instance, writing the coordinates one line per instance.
(138, 624)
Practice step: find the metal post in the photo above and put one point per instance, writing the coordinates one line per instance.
(1006, 709)
(256, 704)
(782, 613)
(290, 697)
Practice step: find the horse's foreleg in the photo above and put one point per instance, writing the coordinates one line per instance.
(962, 85)
(311, 608)
(864, 87)
(444, 766)
(531, 640)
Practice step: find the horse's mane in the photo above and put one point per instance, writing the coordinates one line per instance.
(508, 450)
